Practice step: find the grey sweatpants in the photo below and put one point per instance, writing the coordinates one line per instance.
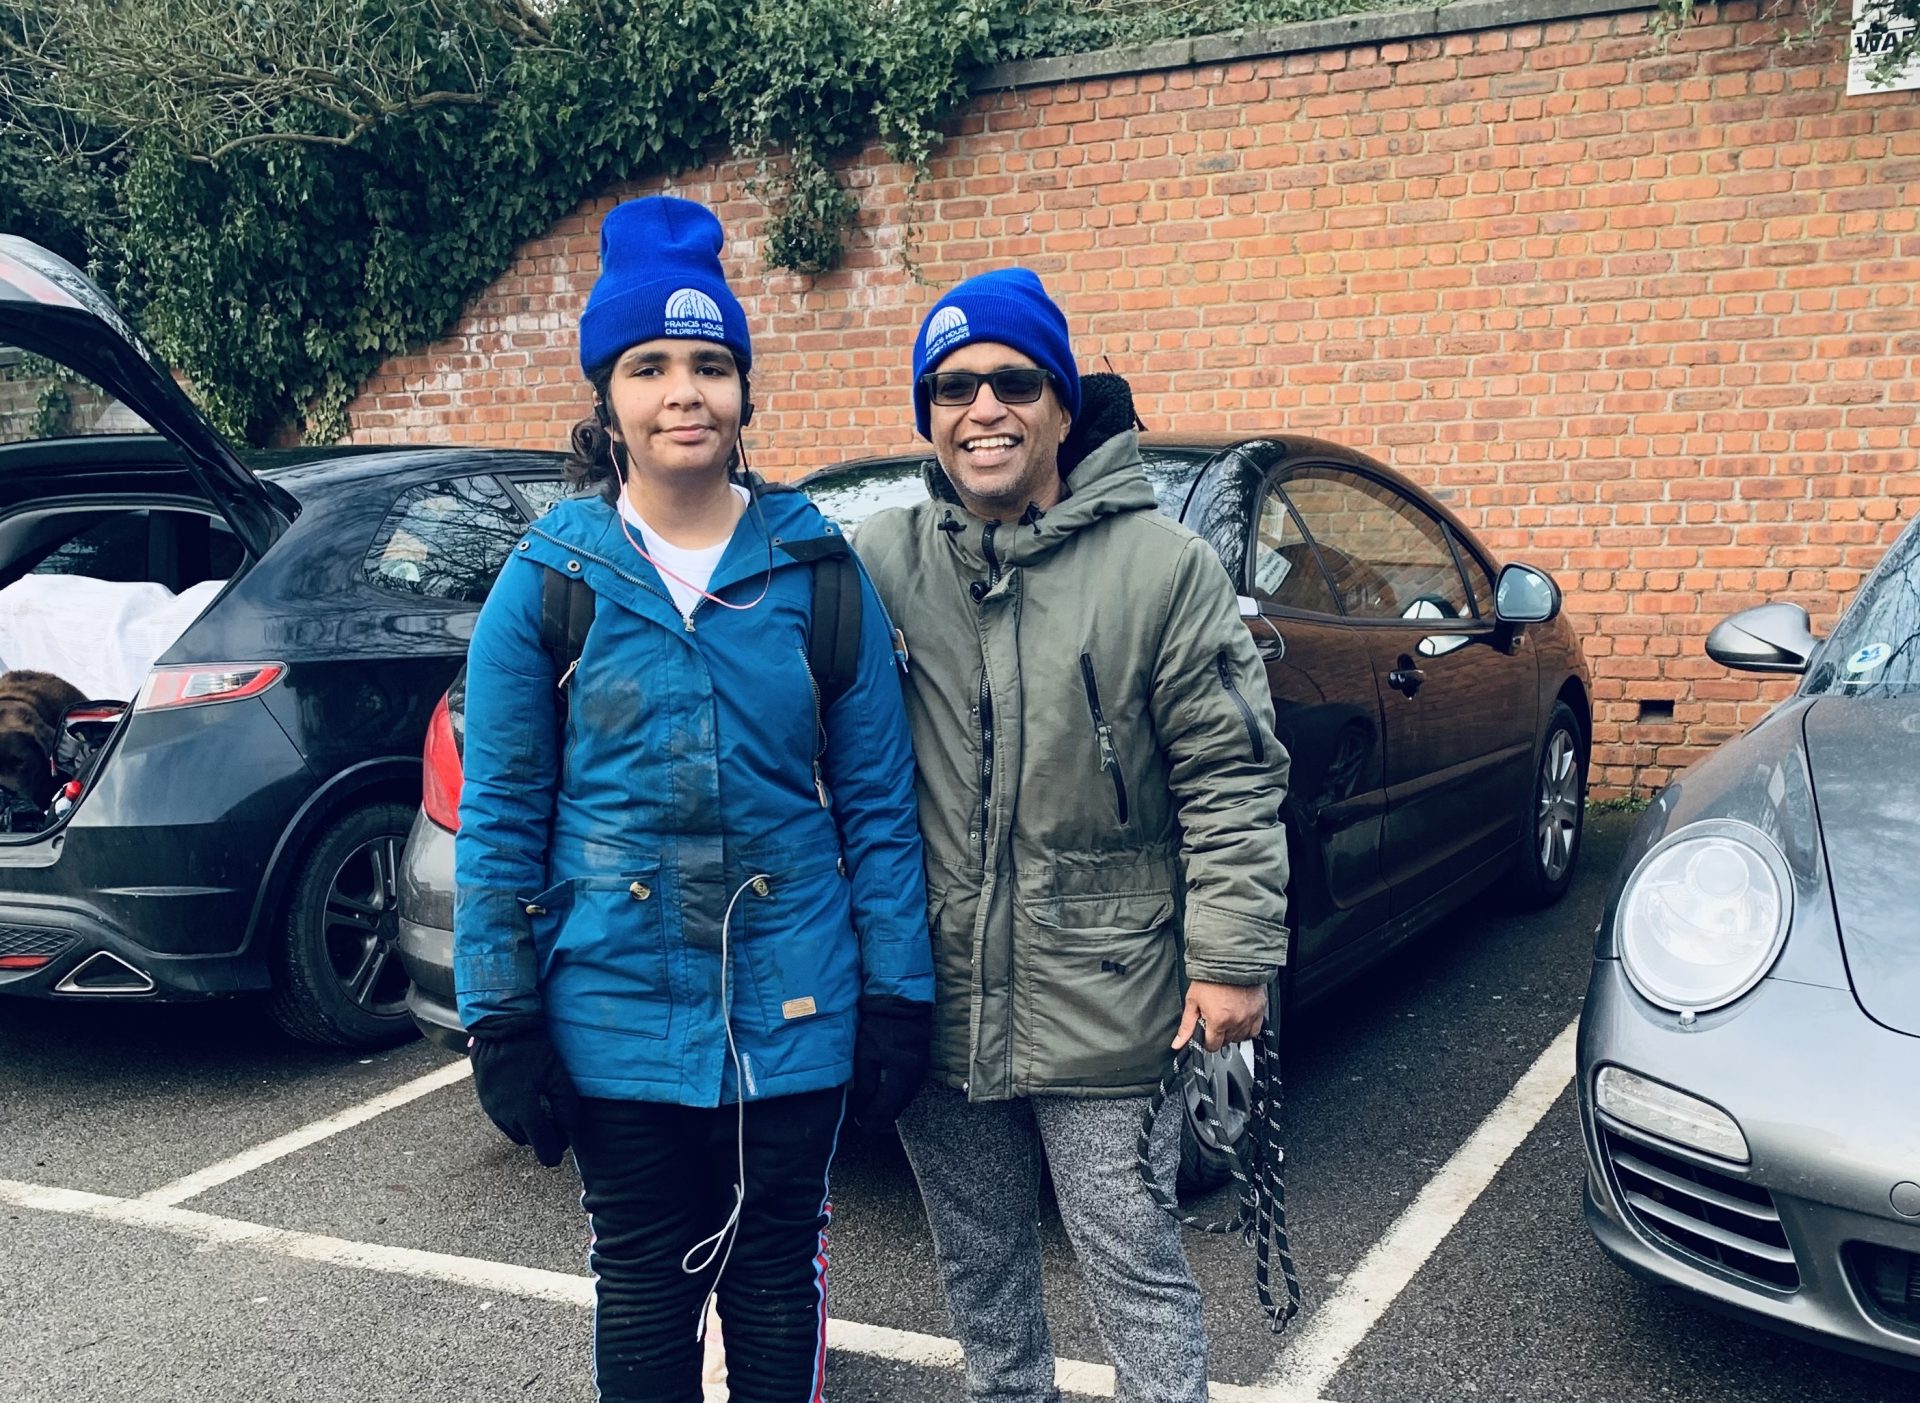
(979, 1172)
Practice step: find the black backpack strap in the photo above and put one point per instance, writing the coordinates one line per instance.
(566, 613)
(833, 630)
(833, 634)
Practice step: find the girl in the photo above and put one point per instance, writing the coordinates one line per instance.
(690, 907)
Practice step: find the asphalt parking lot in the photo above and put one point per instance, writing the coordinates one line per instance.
(196, 1210)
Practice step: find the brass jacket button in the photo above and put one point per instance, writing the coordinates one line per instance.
(640, 891)
(760, 887)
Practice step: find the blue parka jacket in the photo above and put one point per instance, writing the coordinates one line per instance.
(592, 882)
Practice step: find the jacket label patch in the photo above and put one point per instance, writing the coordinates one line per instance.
(798, 1008)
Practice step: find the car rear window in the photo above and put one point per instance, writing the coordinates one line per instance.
(445, 540)
(41, 399)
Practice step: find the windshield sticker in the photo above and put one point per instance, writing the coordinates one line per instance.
(1868, 658)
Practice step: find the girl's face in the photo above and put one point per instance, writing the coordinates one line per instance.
(676, 406)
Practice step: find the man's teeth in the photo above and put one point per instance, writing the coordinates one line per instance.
(974, 445)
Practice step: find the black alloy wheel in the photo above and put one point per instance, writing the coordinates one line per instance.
(338, 979)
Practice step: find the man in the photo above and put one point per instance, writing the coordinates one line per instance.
(1099, 789)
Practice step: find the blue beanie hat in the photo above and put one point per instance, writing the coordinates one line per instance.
(1009, 307)
(660, 276)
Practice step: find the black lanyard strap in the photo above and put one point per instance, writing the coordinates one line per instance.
(1256, 1159)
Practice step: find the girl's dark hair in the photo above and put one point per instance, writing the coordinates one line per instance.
(591, 468)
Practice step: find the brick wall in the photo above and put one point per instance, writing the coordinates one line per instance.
(86, 408)
(1645, 316)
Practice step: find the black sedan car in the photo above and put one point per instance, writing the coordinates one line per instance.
(234, 796)
(1436, 707)
(1750, 1043)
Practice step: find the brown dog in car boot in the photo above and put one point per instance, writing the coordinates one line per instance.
(31, 705)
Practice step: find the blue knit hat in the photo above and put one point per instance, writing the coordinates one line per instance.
(660, 276)
(1009, 307)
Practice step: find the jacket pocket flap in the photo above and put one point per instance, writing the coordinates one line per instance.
(556, 899)
(553, 900)
(1105, 916)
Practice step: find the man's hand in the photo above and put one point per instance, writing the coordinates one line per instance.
(1233, 1013)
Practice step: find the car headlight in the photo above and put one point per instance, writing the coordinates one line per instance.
(1703, 916)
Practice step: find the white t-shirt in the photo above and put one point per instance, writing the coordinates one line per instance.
(696, 567)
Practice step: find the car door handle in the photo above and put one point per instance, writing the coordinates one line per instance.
(1268, 641)
(1406, 679)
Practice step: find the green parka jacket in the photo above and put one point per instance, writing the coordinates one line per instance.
(1099, 782)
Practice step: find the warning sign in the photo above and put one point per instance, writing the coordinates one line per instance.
(1879, 27)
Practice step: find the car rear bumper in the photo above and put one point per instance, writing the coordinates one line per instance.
(1823, 1096)
(425, 940)
(161, 866)
(89, 956)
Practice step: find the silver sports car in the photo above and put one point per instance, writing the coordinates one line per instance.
(1749, 1066)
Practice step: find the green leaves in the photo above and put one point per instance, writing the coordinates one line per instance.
(282, 272)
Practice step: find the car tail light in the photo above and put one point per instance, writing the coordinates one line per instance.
(168, 688)
(441, 777)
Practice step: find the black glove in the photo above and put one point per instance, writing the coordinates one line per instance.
(522, 1085)
(889, 1058)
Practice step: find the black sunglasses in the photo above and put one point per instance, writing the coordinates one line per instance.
(1019, 385)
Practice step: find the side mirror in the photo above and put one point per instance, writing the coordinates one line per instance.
(1524, 595)
(1769, 638)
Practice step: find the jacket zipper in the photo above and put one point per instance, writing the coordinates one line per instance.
(1103, 733)
(986, 760)
(1246, 712)
(819, 732)
(634, 580)
(986, 704)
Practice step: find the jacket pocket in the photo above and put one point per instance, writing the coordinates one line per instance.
(1103, 738)
(798, 953)
(601, 948)
(1223, 667)
(1103, 988)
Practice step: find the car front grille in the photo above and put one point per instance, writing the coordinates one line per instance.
(1703, 1214)
(1888, 1279)
(30, 941)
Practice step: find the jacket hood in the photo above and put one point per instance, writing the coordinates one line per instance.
(1109, 481)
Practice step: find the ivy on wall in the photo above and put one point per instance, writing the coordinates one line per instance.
(280, 244)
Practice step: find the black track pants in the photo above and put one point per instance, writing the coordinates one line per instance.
(660, 1178)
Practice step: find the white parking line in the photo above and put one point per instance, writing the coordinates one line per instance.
(212, 1230)
(180, 1190)
(1337, 1328)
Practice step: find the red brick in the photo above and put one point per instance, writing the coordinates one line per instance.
(1642, 316)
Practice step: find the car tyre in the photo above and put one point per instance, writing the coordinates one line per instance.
(337, 978)
(1555, 819)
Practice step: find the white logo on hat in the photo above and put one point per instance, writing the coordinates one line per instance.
(946, 327)
(691, 313)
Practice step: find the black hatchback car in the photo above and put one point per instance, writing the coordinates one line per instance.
(1436, 708)
(234, 824)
